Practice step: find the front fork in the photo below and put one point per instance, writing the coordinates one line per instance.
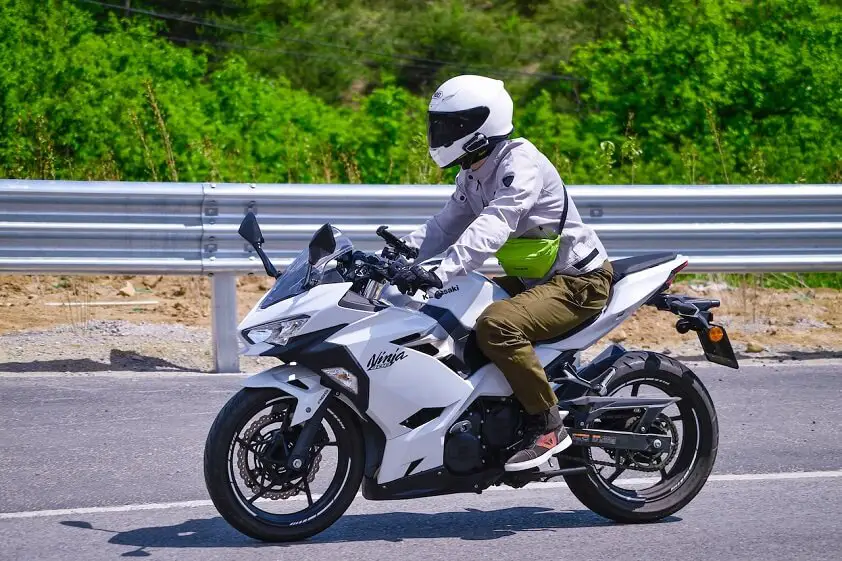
(298, 459)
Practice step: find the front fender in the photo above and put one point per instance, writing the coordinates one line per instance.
(301, 383)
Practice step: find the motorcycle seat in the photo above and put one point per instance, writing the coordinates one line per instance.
(629, 265)
(622, 268)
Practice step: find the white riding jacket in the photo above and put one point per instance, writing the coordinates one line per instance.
(517, 193)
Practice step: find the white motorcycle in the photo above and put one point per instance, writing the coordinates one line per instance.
(391, 391)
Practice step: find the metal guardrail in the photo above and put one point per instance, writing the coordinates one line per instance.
(100, 227)
(722, 228)
(191, 228)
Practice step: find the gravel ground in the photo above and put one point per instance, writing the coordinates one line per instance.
(113, 345)
(159, 322)
(106, 345)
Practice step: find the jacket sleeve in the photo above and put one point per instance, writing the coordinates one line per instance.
(443, 228)
(517, 191)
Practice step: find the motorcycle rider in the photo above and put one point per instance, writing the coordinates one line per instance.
(509, 202)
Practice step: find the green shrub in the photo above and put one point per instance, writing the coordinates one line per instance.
(699, 91)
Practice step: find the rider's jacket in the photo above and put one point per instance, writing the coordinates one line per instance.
(516, 193)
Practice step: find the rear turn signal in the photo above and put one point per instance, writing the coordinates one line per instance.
(715, 334)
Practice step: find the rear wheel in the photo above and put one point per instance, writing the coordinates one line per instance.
(246, 474)
(629, 486)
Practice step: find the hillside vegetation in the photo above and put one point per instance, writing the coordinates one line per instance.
(704, 91)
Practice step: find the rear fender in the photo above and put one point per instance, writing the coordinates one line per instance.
(301, 383)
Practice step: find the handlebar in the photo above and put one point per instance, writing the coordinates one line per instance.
(399, 246)
(385, 267)
(382, 268)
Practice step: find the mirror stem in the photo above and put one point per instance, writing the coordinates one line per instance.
(270, 268)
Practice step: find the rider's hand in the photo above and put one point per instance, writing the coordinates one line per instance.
(411, 279)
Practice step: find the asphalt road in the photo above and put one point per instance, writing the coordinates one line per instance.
(109, 465)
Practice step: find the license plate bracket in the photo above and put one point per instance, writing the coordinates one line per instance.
(719, 352)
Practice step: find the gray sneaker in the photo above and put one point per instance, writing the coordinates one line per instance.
(543, 442)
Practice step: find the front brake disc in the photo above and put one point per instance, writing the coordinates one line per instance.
(267, 471)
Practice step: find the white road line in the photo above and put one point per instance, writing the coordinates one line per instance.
(532, 486)
(102, 509)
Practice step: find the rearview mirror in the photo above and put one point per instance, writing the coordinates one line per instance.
(250, 229)
(322, 244)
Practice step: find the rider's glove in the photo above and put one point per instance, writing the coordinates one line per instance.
(411, 279)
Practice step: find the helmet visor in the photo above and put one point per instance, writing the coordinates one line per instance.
(443, 129)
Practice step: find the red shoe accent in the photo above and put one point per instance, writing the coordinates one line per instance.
(548, 441)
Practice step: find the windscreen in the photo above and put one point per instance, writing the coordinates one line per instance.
(298, 278)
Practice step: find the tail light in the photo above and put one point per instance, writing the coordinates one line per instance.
(674, 273)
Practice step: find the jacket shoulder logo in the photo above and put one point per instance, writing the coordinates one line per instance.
(384, 359)
(507, 181)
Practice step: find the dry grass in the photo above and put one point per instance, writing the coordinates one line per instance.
(147, 153)
(77, 294)
(717, 139)
(162, 130)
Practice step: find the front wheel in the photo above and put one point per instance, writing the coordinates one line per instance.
(630, 487)
(246, 475)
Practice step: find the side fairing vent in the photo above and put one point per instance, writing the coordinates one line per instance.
(414, 464)
(422, 416)
(426, 348)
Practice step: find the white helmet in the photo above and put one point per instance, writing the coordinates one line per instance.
(467, 115)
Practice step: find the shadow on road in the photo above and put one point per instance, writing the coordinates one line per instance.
(119, 360)
(469, 524)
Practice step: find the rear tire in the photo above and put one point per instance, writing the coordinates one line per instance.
(592, 490)
(247, 519)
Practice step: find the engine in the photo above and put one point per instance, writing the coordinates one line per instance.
(482, 435)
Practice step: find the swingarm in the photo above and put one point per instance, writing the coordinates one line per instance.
(641, 413)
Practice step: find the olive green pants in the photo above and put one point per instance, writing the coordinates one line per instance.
(506, 329)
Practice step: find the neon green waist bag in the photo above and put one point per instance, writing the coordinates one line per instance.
(532, 258)
(528, 258)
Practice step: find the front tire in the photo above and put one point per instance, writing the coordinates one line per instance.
(224, 462)
(683, 480)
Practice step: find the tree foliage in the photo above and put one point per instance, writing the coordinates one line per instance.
(306, 91)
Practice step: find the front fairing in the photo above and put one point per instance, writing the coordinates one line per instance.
(465, 297)
(320, 304)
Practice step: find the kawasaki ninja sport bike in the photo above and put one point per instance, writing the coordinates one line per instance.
(390, 392)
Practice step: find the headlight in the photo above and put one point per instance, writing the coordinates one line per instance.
(275, 332)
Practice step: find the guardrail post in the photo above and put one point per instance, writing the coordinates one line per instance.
(224, 320)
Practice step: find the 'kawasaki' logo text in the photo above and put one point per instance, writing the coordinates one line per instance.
(440, 293)
(384, 359)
